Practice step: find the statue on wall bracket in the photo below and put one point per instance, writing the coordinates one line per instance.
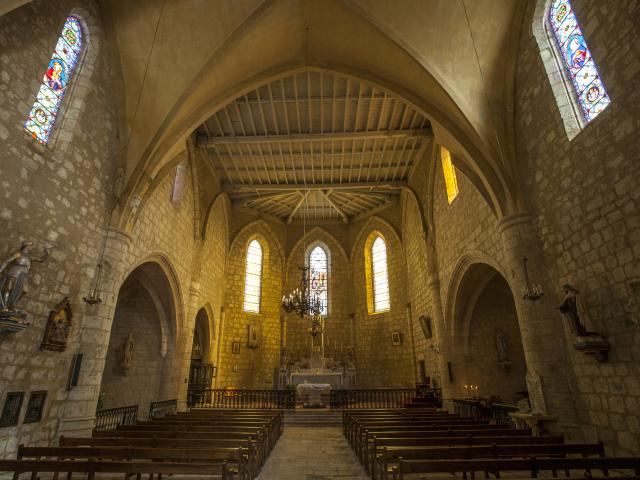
(14, 276)
(58, 327)
(502, 349)
(128, 349)
(590, 343)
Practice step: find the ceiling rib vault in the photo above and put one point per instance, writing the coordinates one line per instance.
(315, 146)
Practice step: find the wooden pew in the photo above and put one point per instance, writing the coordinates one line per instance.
(262, 445)
(269, 435)
(378, 443)
(531, 466)
(219, 470)
(238, 460)
(366, 440)
(386, 457)
(359, 427)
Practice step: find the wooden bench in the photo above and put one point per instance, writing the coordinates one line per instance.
(364, 442)
(531, 466)
(219, 470)
(377, 443)
(359, 427)
(238, 459)
(384, 458)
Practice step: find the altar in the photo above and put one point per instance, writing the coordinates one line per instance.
(317, 376)
(313, 395)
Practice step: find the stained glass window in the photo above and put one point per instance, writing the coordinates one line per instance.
(319, 276)
(578, 62)
(56, 79)
(253, 278)
(380, 276)
(449, 170)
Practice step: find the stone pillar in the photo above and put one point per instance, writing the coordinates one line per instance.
(549, 370)
(181, 360)
(220, 347)
(78, 415)
(414, 361)
(440, 333)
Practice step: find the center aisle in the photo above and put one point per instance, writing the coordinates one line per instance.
(312, 453)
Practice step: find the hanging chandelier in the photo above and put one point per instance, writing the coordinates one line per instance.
(301, 301)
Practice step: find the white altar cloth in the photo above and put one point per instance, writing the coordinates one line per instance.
(310, 377)
(312, 392)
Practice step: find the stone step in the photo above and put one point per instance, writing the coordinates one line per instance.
(313, 418)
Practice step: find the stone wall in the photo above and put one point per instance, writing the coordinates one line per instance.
(419, 293)
(584, 198)
(135, 314)
(494, 313)
(379, 363)
(252, 367)
(61, 193)
(338, 322)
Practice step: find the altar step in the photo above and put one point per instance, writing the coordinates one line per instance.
(313, 418)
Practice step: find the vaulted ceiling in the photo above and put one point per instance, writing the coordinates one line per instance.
(177, 63)
(314, 145)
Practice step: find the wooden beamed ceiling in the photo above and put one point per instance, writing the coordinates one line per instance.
(316, 146)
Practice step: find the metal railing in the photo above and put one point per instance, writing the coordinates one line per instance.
(163, 408)
(226, 398)
(110, 418)
(385, 397)
(496, 413)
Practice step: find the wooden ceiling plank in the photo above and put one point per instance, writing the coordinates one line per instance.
(235, 165)
(224, 167)
(238, 188)
(404, 144)
(303, 197)
(345, 217)
(372, 211)
(245, 167)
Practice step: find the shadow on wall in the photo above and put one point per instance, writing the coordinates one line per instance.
(491, 340)
(141, 337)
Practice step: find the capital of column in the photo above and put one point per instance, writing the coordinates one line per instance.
(513, 221)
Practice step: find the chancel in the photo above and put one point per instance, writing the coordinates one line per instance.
(296, 239)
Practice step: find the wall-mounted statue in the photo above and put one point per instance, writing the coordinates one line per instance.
(502, 349)
(569, 308)
(591, 343)
(128, 349)
(14, 275)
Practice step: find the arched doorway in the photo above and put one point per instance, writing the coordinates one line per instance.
(142, 336)
(488, 335)
(201, 369)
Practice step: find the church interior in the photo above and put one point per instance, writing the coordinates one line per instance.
(317, 239)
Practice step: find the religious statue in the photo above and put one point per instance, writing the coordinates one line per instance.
(502, 349)
(15, 272)
(590, 343)
(569, 307)
(127, 353)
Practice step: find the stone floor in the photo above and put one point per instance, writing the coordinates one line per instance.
(317, 453)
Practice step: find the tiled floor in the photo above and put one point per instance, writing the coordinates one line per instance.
(312, 453)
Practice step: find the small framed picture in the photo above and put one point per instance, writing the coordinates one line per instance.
(235, 348)
(396, 339)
